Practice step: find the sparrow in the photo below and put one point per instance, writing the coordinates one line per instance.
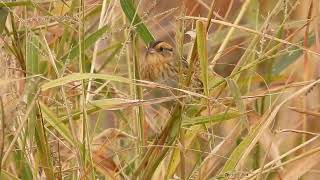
(162, 65)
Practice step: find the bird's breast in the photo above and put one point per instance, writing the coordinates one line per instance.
(160, 71)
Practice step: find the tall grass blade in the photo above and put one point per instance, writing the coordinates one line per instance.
(3, 18)
(203, 56)
(135, 20)
(35, 124)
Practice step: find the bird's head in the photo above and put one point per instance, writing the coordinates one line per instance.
(158, 50)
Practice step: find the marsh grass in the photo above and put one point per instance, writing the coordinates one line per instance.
(73, 105)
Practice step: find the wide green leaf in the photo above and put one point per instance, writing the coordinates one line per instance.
(135, 20)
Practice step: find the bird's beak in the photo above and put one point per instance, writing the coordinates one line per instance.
(151, 50)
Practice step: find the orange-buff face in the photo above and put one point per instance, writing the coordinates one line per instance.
(159, 64)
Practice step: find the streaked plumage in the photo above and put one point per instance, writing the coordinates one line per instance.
(161, 65)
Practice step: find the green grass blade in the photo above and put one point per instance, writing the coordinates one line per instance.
(3, 18)
(203, 55)
(35, 124)
(113, 103)
(13, 4)
(22, 164)
(221, 117)
(236, 94)
(88, 42)
(236, 155)
(7, 175)
(135, 20)
(292, 55)
(52, 119)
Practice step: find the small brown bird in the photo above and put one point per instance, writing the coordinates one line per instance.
(161, 65)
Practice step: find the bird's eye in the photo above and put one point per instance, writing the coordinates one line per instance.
(161, 48)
